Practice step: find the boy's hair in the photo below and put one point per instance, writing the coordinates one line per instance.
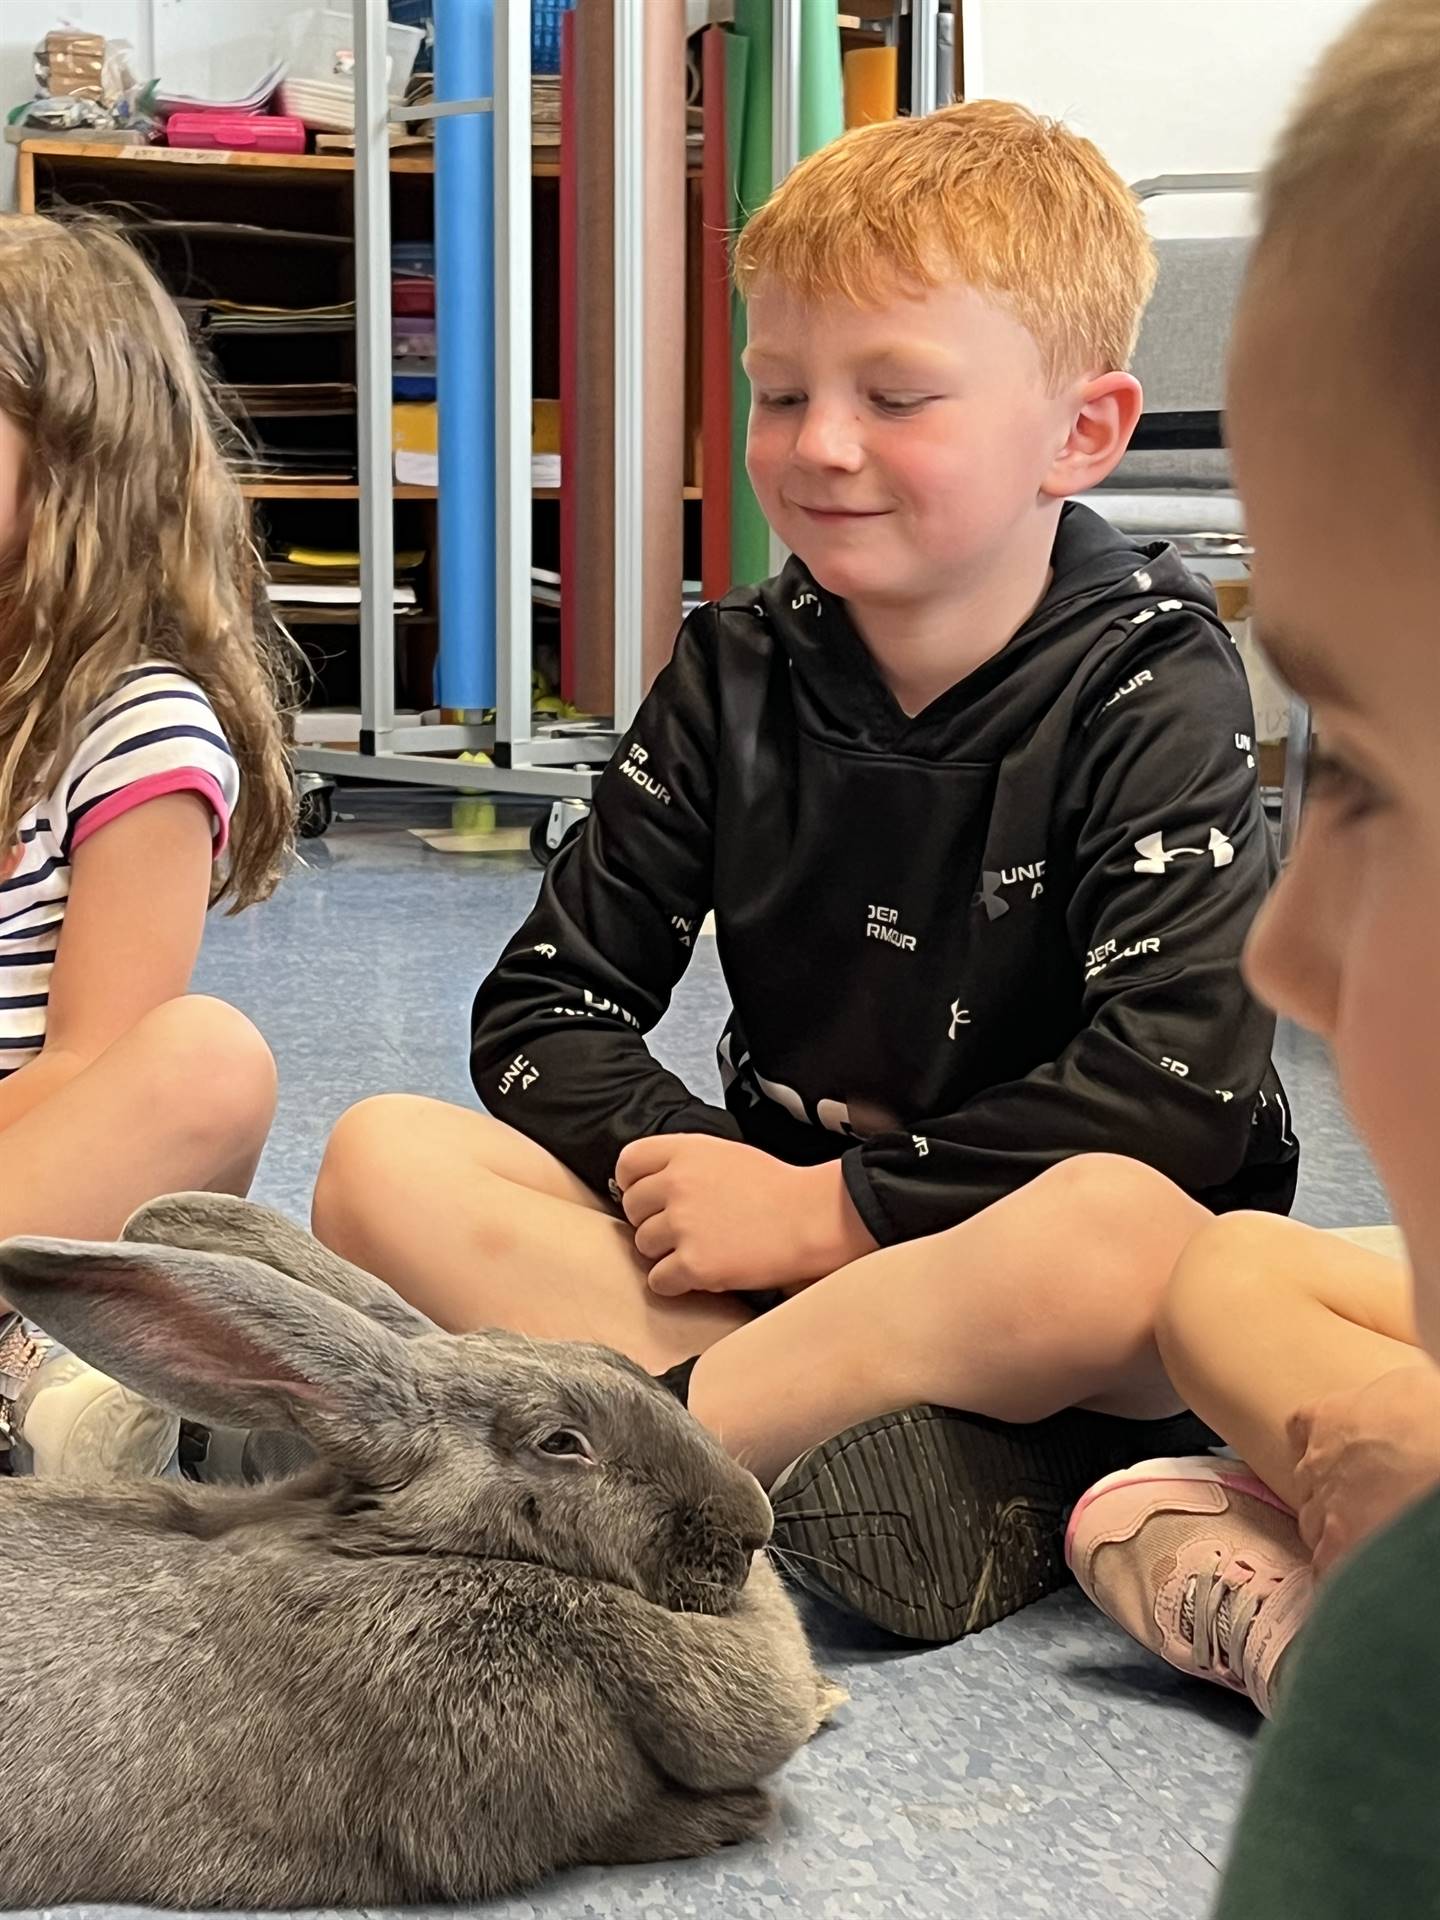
(1020, 208)
(1352, 204)
(138, 543)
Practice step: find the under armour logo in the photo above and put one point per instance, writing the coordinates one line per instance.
(1155, 856)
(959, 1016)
(806, 599)
(545, 947)
(1031, 873)
(1161, 606)
(519, 1069)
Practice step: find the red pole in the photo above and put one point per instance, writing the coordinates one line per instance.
(569, 349)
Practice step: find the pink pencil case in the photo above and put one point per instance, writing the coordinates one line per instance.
(237, 132)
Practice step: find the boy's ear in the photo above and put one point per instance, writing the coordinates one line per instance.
(1105, 412)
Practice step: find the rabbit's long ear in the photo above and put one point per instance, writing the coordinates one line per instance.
(223, 1339)
(219, 1223)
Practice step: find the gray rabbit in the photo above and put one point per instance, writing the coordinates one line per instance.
(516, 1619)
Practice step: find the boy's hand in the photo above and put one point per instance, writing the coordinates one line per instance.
(1364, 1455)
(713, 1216)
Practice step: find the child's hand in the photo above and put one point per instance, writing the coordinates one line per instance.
(1364, 1456)
(713, 1216)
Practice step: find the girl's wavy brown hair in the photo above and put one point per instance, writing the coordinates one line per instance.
(138, 544)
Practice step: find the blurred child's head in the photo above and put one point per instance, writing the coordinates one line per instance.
(122, 534)
(941, 312)
(1335, 395)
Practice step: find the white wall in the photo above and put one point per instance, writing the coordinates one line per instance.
(1161, 86)
(23, 23)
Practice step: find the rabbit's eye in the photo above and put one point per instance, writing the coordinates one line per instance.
(565, 1444)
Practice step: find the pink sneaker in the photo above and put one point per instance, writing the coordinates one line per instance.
(1199, 1562)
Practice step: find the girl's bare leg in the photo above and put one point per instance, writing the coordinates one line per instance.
(1264, 1317)
(182, 1101)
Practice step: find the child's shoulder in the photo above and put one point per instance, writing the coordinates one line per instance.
(722, 637)
(152, 704)
(146, 684)
(1157, 631)
(153, 730)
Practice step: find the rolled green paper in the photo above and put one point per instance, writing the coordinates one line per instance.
(822, 77)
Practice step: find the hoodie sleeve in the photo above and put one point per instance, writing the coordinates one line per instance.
(557, 1031)
(1168, 867)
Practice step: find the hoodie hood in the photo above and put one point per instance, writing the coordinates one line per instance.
(1100, 579)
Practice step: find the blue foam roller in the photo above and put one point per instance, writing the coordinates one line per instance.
(465, 326)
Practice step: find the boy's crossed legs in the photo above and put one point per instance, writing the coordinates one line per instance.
(1043, 1303)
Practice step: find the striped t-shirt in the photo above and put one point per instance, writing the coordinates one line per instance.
(155, 733)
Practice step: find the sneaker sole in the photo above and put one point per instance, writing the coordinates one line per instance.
(932, 1525)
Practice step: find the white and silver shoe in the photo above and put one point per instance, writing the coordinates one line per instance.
(61, 1418)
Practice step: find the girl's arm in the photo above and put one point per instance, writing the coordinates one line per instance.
(139, 888)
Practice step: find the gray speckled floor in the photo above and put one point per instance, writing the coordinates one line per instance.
(1046, 1769)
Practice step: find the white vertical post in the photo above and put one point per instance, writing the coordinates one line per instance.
(629, 355)
(373, 376)
(785, 107)
(784, 138)
(513, 374)
(924, 56)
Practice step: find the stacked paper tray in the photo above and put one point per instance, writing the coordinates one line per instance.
(327, 105)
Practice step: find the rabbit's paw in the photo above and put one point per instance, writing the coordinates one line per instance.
(678, 1825)
(830, 1696)
(742, 1814)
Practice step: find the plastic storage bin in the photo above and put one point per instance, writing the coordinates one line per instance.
(545, 21)
(544, 31)
(230, 132)
(319, 83)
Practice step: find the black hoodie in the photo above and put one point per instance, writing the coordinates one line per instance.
(960, 947)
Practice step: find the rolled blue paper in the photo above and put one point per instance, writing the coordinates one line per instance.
(465, 328)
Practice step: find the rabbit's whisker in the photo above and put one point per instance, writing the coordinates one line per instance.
(783, 1554)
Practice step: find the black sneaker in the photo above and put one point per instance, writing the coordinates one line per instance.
(241, 1456)
(931, 1524)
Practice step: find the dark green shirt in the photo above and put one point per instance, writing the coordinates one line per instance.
(1342, 1821)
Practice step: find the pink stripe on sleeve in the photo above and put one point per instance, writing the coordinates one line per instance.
(177, 780)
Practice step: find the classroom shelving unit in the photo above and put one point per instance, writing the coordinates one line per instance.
(562, 761)
(380, 192)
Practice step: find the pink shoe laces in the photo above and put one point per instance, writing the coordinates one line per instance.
(1219, 1610)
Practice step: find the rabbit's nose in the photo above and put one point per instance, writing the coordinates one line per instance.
(758, 1524)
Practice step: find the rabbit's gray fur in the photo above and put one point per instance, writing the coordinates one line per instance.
(437, 1666)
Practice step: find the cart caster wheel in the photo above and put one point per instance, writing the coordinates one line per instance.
(556, 829)
(315, 814)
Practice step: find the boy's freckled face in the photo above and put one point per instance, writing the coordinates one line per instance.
(896, 449)
(1346, 527)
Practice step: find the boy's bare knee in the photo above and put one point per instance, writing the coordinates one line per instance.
(1109, 1186)
(1121, 1220)
(358, 1169)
